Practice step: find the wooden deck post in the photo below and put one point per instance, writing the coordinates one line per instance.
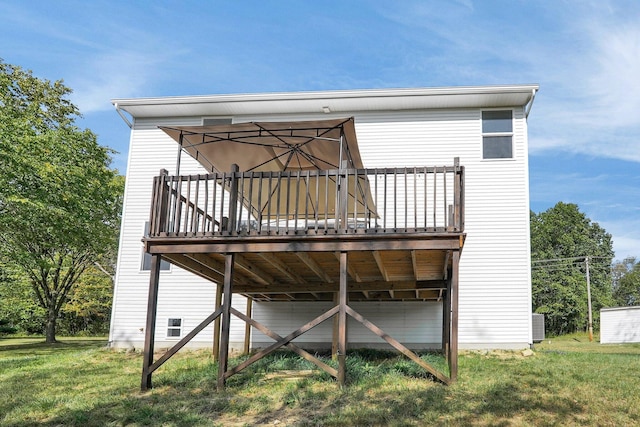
(226, 319)
(342, 320)
(453, 345)
(247, 326)
(334, 338)
(216, 324)
(150, 327)
(446, 319)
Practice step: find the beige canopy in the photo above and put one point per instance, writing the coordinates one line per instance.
(289, 146)
(271, 146)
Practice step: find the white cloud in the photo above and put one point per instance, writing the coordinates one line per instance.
(592, 102)
(114, 74)
(626, 237)
(616, 82)
(585, 55)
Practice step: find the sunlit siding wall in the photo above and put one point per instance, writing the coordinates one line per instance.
(495, 284)
(415, 324)
(620, 325)
(495, 290)
(181, 295)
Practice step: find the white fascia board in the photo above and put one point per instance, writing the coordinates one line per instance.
(333, 101)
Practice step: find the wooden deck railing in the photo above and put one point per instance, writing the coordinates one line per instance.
(390, 200)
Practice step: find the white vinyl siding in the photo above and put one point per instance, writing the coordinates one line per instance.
(495, 285)
(146, 257)
(495, 303)
(415, 324)
(180, 293)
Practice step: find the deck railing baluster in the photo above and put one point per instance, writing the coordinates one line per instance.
(415, 198)
(250, 206)
(435, 201)
(445, 207)
(355, 200)
(224, 224)
(425, 215)
(326, 200)
(297, 202)
(187, 207)
(269, 198)
(240, 203)
(395, 200)
(406, 206)
(316, 211)
(214, 189)
(178, 212)
(195, 218)
(259, 208)
(306, 201)
(205, 222)
(375, 192)
(386, 196)
(155, 204)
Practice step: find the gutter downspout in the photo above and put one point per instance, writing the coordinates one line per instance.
(529, 104)
(121, 114)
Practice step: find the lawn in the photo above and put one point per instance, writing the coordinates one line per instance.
(78, 382)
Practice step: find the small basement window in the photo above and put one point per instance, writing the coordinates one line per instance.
(497, 134)
(174, 327)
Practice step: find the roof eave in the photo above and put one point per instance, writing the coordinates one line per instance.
(336, 101)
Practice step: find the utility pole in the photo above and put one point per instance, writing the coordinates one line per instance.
(586, 263)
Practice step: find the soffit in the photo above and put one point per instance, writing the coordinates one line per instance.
(336, 101)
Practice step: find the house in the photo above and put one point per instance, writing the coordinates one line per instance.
(416, 176)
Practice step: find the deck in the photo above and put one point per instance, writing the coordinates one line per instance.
(392, 234)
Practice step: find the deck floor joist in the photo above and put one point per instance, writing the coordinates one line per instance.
(405, 268)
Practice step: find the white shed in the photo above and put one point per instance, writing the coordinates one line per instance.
(620, 325)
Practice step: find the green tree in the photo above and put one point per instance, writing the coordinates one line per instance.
(17, 301)
(561, 238)
(59, 199)
(626, 282)
(88, 307)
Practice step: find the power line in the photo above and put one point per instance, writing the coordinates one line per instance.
(580, 258)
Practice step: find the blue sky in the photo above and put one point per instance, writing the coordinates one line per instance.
(584, 127)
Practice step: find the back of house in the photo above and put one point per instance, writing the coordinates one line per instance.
(484, 127)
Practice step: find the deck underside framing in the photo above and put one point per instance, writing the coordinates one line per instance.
(400, 267)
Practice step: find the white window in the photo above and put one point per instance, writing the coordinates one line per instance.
(174, 327)
(146, 257)
(497, 134)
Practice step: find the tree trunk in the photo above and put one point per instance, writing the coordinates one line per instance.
(50, 331)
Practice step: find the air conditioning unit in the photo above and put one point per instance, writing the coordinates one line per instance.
(537, 322)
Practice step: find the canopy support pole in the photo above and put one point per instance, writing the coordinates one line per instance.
(179, 156)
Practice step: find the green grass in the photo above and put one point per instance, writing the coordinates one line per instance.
(568, 381)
